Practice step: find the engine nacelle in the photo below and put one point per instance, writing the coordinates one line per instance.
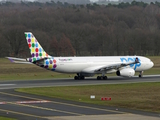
(126, 72)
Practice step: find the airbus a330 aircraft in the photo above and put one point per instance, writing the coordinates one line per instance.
(125, 66)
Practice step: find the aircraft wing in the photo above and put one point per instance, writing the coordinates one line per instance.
(18, 60)
(115, 66)
(101, 68)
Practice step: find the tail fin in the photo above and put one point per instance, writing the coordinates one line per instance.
(37, 52)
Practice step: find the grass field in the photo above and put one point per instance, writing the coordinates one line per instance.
(4, 118)
(12, 71)
(143, 96)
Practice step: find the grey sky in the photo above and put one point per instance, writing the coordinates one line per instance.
(90, 0)
(97, 0)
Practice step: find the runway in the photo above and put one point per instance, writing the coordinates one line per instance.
(25, 106)
(71, 82)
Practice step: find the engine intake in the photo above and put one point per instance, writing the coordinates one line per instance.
(126, 72)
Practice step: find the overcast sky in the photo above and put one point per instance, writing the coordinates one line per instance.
(93, 0)
(97, 0)
(90, 0)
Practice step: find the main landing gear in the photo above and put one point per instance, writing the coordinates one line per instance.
(101, 77)
(141, 74)
(79, 77)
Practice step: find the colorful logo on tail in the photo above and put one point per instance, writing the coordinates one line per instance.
(39, 56)
(36, 50)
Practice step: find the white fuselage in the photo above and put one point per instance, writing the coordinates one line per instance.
(89, 64)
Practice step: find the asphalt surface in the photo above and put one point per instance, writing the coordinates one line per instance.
(71, 82)
(31, 107)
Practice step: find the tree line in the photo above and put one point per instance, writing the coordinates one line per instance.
(80, 30)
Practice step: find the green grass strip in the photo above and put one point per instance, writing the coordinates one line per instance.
(143, 96)
(5, 118)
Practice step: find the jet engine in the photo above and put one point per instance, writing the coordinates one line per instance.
(126, 72)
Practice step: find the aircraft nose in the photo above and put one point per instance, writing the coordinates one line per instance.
(152, 64)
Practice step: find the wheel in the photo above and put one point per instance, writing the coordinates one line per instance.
(98, 78)
(140, 76)
(76, 77)
(104, 77)
(82, 77)
(79, 77)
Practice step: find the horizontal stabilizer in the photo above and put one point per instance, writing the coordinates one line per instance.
(18, 60)
(22, 62)
(13, 58)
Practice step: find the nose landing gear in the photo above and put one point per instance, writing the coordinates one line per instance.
(140, 74)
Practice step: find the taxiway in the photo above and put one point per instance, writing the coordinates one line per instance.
(25, 106)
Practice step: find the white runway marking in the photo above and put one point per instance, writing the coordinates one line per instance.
(7, 84)
(25, 102)
(151, 75)
(1, 103)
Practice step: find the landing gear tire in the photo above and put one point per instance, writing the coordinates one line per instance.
(82, 77)
(76, 77)
(98, 78)
(101, 77)
(104, 77)
(79, 77)
(140, 74)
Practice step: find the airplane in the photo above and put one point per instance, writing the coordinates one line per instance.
(124, 66)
